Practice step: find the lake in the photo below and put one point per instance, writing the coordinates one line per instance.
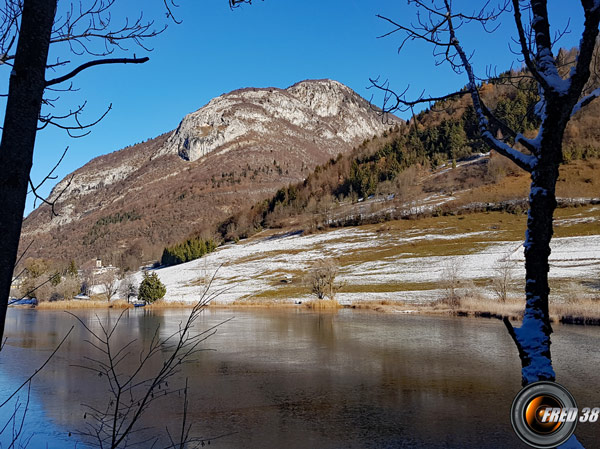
(291, 378)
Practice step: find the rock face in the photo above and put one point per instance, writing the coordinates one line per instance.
(237, 149)
(325, 111)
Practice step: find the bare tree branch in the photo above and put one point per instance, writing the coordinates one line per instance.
(403, 105)
(89, 64)
(581, 71)
(525, 51)
(585, 101)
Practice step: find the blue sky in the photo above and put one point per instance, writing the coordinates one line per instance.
(270, 43)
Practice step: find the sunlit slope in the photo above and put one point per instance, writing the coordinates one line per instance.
(404, 260)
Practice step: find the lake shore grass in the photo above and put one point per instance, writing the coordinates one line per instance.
(82, 304)
(581, 311)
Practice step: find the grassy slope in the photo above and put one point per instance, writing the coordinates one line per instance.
(412, 239)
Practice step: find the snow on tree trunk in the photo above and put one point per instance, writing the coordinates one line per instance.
(533, 337)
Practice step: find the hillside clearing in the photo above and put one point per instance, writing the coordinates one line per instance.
(405, 260)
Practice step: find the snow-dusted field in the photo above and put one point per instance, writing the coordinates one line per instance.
(273, 266)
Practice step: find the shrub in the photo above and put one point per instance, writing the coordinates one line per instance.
(151, 288)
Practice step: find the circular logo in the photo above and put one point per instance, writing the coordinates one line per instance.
(544, 415)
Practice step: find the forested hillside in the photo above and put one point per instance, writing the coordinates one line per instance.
(400, 164)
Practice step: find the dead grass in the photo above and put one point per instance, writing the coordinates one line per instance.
(83, 304)
(273, 253)
(252, 302)
(577, 179)
(494, 226)
(473, 305)
(323, 304)
(389, 287)
(582, 309)
(586, 309)
(284, 291)
(162, 304)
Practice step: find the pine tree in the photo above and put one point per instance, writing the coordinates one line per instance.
(72, 269)
(151, 288)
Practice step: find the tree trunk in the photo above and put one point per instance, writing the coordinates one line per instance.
(26, 88)
(533, 337)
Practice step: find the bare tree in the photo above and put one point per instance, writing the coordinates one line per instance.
(321, 279)
(503, 277)
(110, 282)
(68, 287)
(129, 287)
(439, 25)
(450, 282)
(88, 280)
(94, 34)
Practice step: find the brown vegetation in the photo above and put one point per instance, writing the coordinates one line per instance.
(83, 304)
(322, 304)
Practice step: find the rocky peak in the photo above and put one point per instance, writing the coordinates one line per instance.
(325, 97)
(324, 107)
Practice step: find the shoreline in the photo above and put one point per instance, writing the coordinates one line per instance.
(578, 313)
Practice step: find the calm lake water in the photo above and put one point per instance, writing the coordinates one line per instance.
(297, 379)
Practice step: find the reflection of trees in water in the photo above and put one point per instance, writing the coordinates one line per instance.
(149, 322)
(301, 326)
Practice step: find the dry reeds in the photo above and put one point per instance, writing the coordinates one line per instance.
(382, 305)
(323, 304)
(582, 310)
(478, 306)
(254, 302)
(83, 304)
(585, 310)
(162, 304)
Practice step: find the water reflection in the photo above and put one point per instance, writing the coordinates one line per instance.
(297, 379)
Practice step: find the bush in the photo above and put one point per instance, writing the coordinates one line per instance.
(151, 288)
(55, 296)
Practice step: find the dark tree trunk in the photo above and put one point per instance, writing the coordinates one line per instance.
(533, 337)
(536, 328)
(26, 88)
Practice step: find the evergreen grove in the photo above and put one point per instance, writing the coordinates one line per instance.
(191, 249)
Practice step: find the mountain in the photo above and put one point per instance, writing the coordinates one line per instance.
(436, 164)
(236, 150)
